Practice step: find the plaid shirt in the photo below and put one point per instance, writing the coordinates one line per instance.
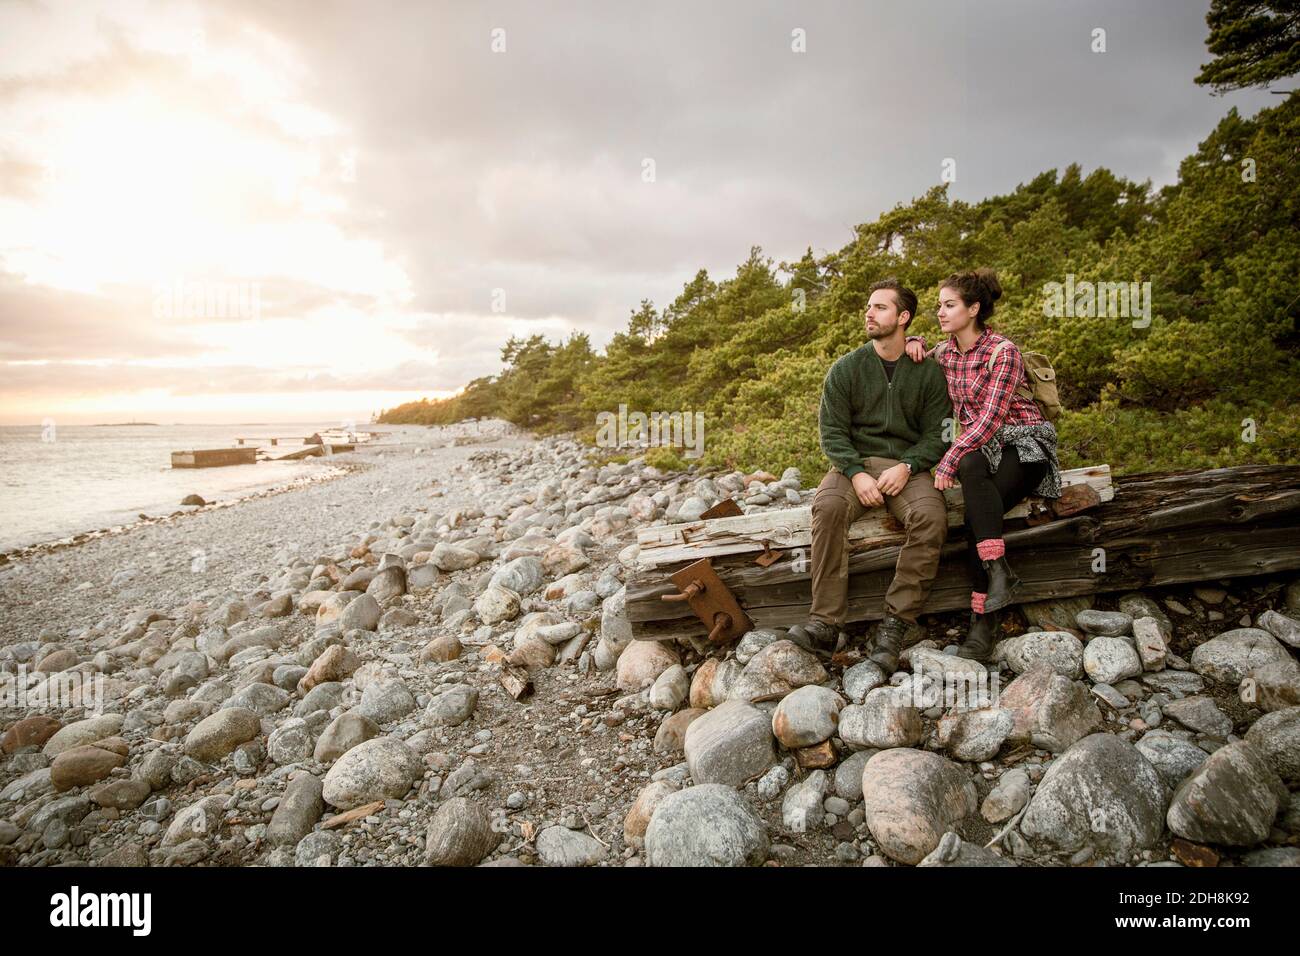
(983, 399)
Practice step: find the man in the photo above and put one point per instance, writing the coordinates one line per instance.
(882, 422)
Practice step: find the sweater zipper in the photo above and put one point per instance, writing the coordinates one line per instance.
(889, 388)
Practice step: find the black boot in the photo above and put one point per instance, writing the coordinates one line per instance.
(889, 641)
(980, 637)
(1003, 584)
(814, 634)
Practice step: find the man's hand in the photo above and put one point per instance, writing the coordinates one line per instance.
(893, 480)
(867, 491)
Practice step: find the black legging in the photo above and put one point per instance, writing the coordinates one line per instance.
(990, 495)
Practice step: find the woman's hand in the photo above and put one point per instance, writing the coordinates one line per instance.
(915, 349)
(942, 482)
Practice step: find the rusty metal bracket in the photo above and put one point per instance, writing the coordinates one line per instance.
(768, 557)
(726, 508)
(711, 600)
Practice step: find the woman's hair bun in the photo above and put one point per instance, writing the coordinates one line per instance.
(989, 279)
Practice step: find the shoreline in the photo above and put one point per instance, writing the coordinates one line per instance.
(42, 548)
(429, 437)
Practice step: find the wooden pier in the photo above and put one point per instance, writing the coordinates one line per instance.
(331, 436)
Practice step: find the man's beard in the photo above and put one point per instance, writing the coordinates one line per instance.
(880, 332)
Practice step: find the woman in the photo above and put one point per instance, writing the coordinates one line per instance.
(1005, 449)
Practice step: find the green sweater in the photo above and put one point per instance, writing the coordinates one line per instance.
(863, 414)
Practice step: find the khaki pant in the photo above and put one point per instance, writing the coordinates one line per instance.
(918, 507)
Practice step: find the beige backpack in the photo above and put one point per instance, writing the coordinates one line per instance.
(1040, 387)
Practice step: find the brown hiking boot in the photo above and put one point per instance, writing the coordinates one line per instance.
(889, 642)
(814, 634)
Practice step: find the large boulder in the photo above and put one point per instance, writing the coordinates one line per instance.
(671, 736)
(615, 628)
(497, 604)
(1232, 655)
(1173, 757)
(561, 846)
(643, 808)
(298, 810)
(1101, 793)
(775, 671)
(1059, 614)
(218, 734)
(385, 701)
(976, 735)
(31, 731)
(712, 682)
(82, 732)
(460, 834)
(453, 557)
(1051, 710)
(705, 825)
(344, 732)
(378, 769)
(1275, 686)
(1201, 714)
(523, 575)
(642, 662)
(1277, 736)
(82, 766)
(334, 664)
(1059, 650)
(1109, 660)
(388, 585)
(1285, 629)
(887, 718)
(730, 744)
(911, 798)
(807, 716)
(1231, 799)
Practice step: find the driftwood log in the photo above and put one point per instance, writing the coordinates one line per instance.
(1156, 529)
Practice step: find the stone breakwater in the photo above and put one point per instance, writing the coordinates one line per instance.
(324, 678)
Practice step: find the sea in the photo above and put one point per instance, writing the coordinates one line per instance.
(57, 482)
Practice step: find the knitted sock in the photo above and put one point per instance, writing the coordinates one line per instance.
(990, 548)
(977, 601)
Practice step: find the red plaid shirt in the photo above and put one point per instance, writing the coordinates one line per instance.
(983, 398)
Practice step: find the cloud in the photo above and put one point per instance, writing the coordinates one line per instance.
(390, 182)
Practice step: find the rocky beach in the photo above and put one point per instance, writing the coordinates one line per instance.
(427, 661)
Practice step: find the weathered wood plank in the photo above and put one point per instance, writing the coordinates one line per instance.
(792, 527)
(1173, 558)
(1158, 529)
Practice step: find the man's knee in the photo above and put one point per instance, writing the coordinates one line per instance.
(928, 521)
(829, 507)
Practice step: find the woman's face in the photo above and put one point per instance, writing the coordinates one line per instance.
(954, 314)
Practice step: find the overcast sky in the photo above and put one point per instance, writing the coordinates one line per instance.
(372, 197)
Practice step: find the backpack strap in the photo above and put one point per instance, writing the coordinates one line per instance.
(996, 350)
(1025, 387)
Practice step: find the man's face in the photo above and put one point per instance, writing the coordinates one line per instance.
(882, 314)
